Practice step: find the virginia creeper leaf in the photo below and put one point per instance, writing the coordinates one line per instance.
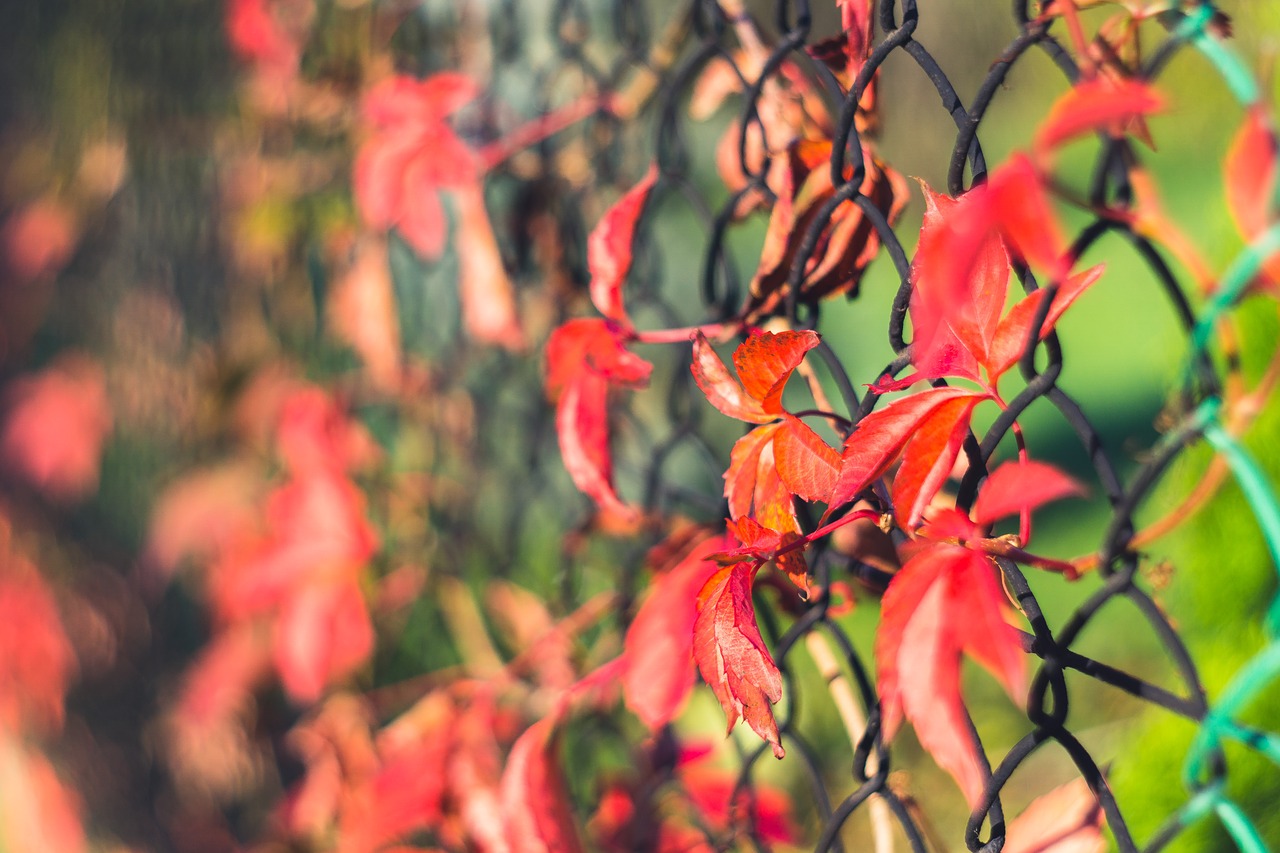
(732, 656)
(582, 426)
(1011, 335)
(724, 392)
(745, 468)
(659, 644)
(878, 438)
(944, 603)
(928, 458)
(609, 249)
(1016, 487)
(807, 464)
(765, 361)
(1102, 104)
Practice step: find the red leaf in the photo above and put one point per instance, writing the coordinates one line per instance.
(585, 357)
(873, 445)
(1250, 174)
(945, 602)
(36, 659)
(56, 425)
(1101, 104)
(758, 541)
(857, 20)
(582, 426)
(488, 297)
(1011, 336)
(609, 249)
(807, 464)
(1016, 487)
(940, 319)
(1020, 208)
(323, 633)
(724, 805)
(1068, 819)
(535, 804)
(724, 392)
(659, 643)
(590, 346)
(745, 467)
(765, 361)
(928, 458)
(732, 656)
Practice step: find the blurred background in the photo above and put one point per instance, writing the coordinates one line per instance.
(228, 357)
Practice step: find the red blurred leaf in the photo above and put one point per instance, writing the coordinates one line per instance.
(928, 458)
(323, 633)
(1068, 819)
(412, 153)
(714, 792)
(584, 358)
(362, 312)
(857, 19)
(37, 661)
(609, 249)
(746, 468)
(765, 361)
(878, 438)
(719, 386)
(1016, 487)
(1250, 174)
(535, 805)
(1105, 104)
(943, 604)
(1011, 336)
(1020, 208)
(595, 347)
(732, 656)
(659, 644)
(807, 465)
(56, 425)
(488, 297)
(38, 813)
(950, 333)
(37, 240)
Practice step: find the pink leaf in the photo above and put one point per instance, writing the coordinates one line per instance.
(1068, 819)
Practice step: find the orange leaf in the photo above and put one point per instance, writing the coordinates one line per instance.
(765, 361)
(732, 656)
(724, 392)
(609, 249)
(745, 467)
(944, 603)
